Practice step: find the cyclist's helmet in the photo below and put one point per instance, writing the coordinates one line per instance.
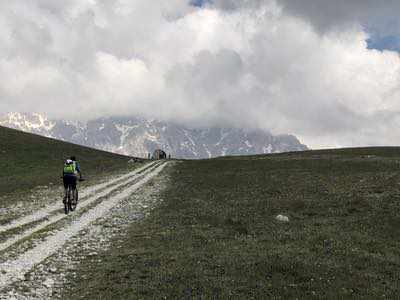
(68, 162)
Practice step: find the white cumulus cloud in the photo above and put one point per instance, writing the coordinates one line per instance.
(274, 65)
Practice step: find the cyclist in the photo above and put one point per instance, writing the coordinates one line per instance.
(69, 176)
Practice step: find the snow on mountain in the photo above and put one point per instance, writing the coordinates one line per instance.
(138, 137)
(34, 122)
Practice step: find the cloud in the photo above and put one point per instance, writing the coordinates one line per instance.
(277, 65)
(381, 16)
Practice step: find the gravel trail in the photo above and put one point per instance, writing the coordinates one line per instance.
(15, 269)
(82, 205)
(46, 211)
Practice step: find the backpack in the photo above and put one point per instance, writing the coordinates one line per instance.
(69, 168)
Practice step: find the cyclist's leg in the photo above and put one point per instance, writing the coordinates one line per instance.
(73, 185)
(65, 181)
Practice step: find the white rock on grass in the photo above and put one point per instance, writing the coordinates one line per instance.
(282, 218)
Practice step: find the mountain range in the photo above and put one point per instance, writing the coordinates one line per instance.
(138, 136)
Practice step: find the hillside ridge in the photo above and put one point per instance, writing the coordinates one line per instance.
(30, 160)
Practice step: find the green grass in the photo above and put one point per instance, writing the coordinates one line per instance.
(29, 160)
(215, 236)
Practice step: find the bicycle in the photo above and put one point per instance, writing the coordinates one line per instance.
(71, 201)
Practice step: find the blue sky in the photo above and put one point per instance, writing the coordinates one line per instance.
(389, 42)
(199, 2)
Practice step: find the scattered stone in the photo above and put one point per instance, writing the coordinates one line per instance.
(48, 283)
(282, 218)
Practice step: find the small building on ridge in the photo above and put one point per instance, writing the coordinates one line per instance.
(159, 154)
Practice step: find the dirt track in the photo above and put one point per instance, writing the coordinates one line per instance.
(33, 238)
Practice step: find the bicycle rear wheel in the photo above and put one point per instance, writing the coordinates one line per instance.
(74, 200)
(67, 203)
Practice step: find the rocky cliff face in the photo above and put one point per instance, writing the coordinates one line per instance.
(138, 136)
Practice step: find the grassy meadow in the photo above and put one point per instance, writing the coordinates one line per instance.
(215, 235)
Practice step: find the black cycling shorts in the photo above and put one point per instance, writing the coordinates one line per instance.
(69, 180)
